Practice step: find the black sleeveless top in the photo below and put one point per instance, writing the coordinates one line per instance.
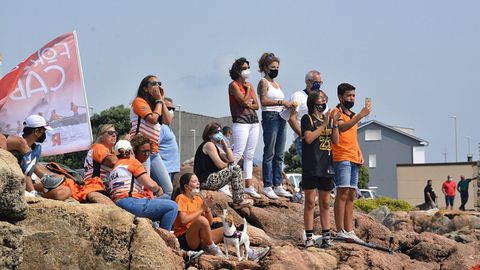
(203, 165)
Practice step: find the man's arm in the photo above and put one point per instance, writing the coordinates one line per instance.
(294, 124)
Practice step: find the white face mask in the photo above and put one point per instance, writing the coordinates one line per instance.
(246, 73)
(172, 112)
(195, 190)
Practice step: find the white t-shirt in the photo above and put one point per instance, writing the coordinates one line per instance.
(301, 98)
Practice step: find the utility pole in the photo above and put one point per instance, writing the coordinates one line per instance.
(456, 142)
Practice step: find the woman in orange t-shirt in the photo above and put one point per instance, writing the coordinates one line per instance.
(147, 114)
(192, 226)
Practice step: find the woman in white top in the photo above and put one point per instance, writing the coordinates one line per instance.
(274, 132)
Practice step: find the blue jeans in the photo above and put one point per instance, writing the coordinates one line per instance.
(158, 172)
(274, 136)
(156, 209)
(298, 144)
(346, 174)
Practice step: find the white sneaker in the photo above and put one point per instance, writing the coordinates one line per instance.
(252, 192)
(351, 234)
(259, 254)
(32, 193)
(282, 192)
(342, 234)
(268, 191)
(226, 190)
(214, 250)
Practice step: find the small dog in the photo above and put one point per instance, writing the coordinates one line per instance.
(232, 236)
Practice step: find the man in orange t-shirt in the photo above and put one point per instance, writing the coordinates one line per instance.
(347, 159)
(449, 188)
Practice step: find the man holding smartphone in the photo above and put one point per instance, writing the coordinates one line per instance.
(347, 159)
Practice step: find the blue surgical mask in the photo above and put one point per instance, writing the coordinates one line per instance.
(217, 136)
(316, 86)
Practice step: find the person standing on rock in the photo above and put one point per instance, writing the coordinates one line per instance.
(318, 132)
(429, 195)
(449, 188)
(463, 189)
(168, 146)
(246, 127)
(274, 126)
(347, 159)
(313, 81)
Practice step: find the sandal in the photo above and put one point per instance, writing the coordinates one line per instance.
(243, 203)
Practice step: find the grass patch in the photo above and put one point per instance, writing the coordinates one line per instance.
(368, 205)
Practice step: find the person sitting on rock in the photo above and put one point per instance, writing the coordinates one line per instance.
(192, 226)
(215, 167)
(27, 149)
(99, 162)
(127, 181)
(195, 225)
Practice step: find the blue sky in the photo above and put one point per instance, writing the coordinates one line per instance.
(418, 60)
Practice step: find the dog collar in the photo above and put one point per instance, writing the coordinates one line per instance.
(236, 234)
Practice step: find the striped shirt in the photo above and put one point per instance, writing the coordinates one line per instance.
(93, 162)
(139, 111)
(123, 176)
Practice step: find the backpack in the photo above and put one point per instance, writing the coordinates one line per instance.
(66, 171)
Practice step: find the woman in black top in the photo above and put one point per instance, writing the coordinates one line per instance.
(214, 167)
(319, 130)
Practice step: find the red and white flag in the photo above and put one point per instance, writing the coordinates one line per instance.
(49, 83)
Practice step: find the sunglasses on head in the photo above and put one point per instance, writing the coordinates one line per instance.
(153, 83)
(112, 132)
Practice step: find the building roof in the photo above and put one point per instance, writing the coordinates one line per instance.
(400, 131)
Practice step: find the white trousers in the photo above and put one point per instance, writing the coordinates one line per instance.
(245, 138)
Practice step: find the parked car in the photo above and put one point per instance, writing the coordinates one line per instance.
(369, 193)
(294, 179)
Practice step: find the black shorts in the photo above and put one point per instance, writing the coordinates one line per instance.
(182, 239)
(320, 183)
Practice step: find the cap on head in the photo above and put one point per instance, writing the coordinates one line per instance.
(122, 144)
(36, 121)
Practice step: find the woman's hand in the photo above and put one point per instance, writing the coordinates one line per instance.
(287, 104)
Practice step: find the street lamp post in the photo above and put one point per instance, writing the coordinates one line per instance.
(469, 154)
(194, 141)
(456, 144)
(180, 130)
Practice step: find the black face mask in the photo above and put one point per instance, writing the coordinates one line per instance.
(348, 104)
(273, 73)
(321, 107)
(42, 138)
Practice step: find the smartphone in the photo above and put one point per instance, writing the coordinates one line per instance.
(368, 102)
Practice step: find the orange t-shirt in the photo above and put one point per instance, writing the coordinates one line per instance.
(121, 179)
(141, 108)
(93, 162)
(347, 148)
(187, 206)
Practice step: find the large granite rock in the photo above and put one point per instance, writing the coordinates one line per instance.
(12, 187)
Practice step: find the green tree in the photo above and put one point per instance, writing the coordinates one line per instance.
(292, 160)
(116, 115)
(363, 177)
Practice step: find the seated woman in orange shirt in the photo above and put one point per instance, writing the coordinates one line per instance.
(192, 226)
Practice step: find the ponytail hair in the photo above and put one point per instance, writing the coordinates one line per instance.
(184, 180)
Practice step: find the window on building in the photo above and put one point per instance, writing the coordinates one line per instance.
(373, 135)
(372, 161)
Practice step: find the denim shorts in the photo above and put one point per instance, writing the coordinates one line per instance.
(346, 174)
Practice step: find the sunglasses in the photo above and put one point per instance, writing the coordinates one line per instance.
(153, 83)
(171, 108)
(112, 132)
